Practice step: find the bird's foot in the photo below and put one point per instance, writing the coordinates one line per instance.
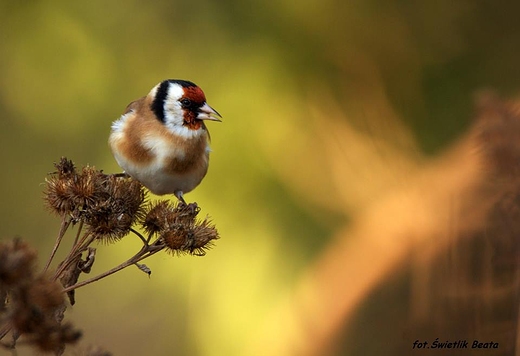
(193, 207)
(179, 196)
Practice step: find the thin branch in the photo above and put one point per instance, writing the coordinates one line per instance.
(76, 250)
(65, 223)
(145, 252)
(80, 227)
(150, 235)
(140, 236)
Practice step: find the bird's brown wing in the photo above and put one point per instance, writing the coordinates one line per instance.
(133, 105)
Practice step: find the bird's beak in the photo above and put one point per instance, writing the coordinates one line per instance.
(206, 112)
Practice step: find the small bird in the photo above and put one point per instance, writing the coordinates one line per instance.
(161, 139)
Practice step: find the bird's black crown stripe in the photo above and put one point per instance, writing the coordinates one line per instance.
(160, 97)
(183, 83)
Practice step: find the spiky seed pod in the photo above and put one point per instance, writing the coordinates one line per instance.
(178, 228)
(65, 168)
(129, 194)
(163, 215)
(34, 305)
(193, 238)
(111, 218)
(109, 205)
(70, 193)
(203, 235)
(86, 189)
(57, 195)
(157, 216)
(177, 238)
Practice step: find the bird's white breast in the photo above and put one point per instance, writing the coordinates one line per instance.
(156, 174)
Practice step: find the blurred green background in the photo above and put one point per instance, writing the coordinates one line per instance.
(279, 72)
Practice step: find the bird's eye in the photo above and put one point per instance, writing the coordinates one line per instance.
(185, 102)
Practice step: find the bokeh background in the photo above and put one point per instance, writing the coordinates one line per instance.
(338, 156)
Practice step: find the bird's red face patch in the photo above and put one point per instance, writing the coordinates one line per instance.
(196, 100)
(195, 94)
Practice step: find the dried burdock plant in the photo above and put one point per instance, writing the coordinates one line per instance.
(104, 208)
(177, 227)
(32, 304)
